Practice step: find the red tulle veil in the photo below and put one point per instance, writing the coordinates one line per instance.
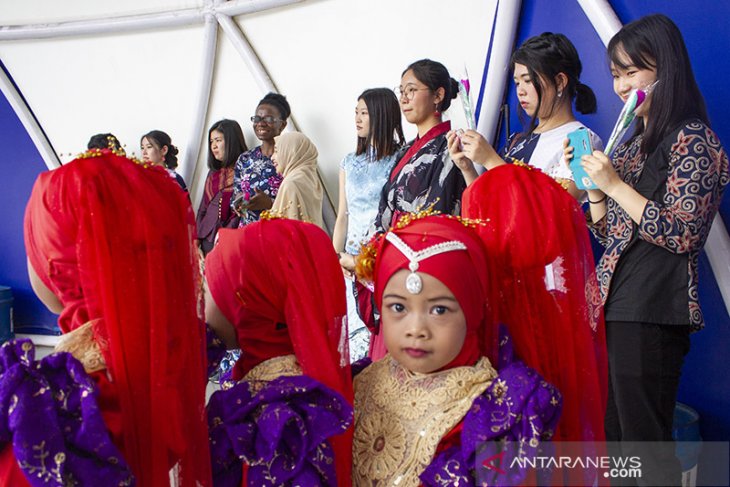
(286, 271)
(114, 241)
(541, 261)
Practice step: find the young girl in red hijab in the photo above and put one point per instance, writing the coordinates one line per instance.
(275, 291)
(110, 247)
(423, 411)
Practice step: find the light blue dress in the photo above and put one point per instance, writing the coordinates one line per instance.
(364, 180)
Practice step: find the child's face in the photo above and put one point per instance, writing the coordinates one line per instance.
(424, 331)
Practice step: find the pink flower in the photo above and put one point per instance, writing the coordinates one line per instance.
(465, 82)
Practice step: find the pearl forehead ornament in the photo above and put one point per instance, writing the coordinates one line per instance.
(414, 283)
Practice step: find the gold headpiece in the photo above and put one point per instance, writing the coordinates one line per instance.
(365, 260)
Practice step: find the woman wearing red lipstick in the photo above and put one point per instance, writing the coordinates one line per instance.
(546, 72)
(423, 410)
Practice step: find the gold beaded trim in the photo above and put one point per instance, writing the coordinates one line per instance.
(81, 344)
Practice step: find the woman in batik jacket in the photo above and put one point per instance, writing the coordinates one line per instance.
(653, 211)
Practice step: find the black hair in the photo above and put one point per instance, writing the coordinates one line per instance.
(105, 141)
(234, 141)
(545, 57)
(161, 139)
(386, 131)
(435, 75)
(655, 42)
(279, 102)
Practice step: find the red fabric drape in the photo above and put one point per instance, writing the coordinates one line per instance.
(541, 262)
(286, 272)
(114, 241)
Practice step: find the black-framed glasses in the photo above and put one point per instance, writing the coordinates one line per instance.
(409, 92)
(267, 119)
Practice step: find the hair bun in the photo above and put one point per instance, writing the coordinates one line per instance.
(454, 86)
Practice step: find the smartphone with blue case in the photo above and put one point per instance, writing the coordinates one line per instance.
(580, 141)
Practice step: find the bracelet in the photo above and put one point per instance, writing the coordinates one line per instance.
(599, 201)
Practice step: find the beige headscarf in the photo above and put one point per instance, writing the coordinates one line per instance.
(300, 194)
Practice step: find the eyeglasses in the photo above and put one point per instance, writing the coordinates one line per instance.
(408, 93)
(267, 120)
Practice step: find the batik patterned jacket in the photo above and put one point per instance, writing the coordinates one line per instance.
(680, 222)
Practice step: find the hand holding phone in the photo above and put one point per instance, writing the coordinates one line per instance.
(580, 141)
(239, 203)
(459, 133)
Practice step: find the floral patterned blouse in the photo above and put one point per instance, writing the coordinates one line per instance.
(254, 171)
(680, 219)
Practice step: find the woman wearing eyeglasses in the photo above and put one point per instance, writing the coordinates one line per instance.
(424, 174)
(255, 180)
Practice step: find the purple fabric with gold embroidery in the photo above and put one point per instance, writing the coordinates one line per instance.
(48, 411)
(280, 432)
(215, 350)
(518, 406)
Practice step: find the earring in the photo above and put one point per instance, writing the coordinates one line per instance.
(560, 93)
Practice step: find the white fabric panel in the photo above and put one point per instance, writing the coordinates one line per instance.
(18, 12)
(234, 96)
(322, 55)
(127, 84)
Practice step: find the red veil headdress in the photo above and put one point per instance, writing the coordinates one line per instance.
(539, 251)
(113, 240)
(280, 284)
(463, 271)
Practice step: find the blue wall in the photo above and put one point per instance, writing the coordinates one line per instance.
(20, 164)
(705, 384)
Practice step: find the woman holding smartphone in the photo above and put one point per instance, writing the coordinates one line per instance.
(546, 71)
(537, 242)
(653, 211)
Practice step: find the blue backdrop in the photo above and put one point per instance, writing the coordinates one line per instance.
(705, 384)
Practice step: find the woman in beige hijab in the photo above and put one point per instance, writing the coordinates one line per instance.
(300, 193)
